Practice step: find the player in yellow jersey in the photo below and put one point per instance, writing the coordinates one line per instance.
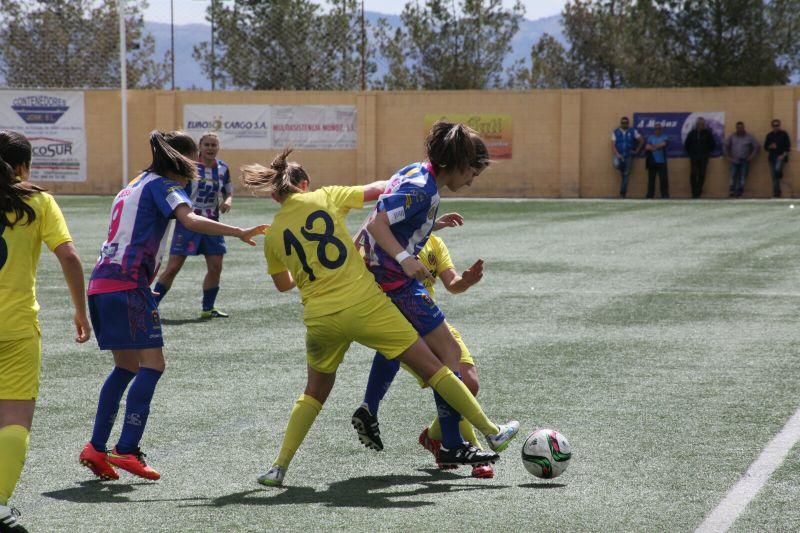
(308, 247)
(436, 258)
(28, 217)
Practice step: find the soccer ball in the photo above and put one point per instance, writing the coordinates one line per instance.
(546, 453)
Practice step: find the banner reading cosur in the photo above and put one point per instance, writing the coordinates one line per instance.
(53, 121)
(677, 127)
(494, 129)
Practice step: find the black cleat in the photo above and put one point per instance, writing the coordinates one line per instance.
(466, 454)
(367, 427)
(9, 520)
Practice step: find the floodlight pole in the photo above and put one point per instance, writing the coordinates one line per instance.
(123, 89)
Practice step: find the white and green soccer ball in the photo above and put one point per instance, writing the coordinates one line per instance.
(546, 453)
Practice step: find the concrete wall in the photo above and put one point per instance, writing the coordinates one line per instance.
(561, 142)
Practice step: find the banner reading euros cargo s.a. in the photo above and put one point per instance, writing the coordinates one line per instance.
(495, 130)
(53, 121)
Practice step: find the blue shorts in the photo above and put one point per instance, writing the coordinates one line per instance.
(185, 242)
(418, 307)
(126, 320)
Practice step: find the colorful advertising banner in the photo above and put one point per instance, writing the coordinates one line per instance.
(53, 122)
(239, 127)
(314, 127)
(494, 129)
(677, 126)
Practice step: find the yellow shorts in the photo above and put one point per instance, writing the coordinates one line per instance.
(466, 357)
(20, 364)
(375, 323)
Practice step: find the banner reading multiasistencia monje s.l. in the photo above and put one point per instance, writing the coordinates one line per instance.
(53, 122)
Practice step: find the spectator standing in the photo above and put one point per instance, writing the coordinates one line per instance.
(778, 145)
(740, 149)
(626, 142)
(656, 149)
(699, 144)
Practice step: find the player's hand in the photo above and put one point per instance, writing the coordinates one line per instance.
(414, 269)
(473, 274)
(247, 234)
(226, 205)
(82, 327)
(450, 220)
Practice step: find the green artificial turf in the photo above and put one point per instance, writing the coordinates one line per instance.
(660, 337)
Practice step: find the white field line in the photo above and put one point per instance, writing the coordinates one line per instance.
(724, 515)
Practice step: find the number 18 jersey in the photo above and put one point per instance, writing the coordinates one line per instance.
(309, 238)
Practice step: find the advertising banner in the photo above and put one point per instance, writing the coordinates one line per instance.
(494, 129)
(678, 125)
(239, 127)
(314, 127)
(53, 121)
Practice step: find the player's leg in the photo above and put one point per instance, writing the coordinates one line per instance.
(211, 287)
(326, 344)
(167, 278)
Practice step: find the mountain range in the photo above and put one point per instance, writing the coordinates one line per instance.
(188, 73)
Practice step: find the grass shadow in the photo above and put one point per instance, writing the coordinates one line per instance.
(374, 492)
(96, 491)
(542, 486)
(182, 321)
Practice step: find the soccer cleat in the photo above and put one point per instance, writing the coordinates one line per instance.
(213, 313)
(274, 477)
(97, 462)
(483, 471)
(433, 446)
(9, 520)
(367, 427)
(466, 454)
(133, 463)
(503, 438)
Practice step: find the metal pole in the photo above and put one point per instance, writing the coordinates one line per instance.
(363, 50)
(213, 57)
(123, 89)
(172, 38)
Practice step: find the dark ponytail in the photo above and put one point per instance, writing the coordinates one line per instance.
(167, 159)
(15, 150)
(182, 142)
(450, 146)
(281, 177)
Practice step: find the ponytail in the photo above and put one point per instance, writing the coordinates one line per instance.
(15, 150)
(450, 146)
(167, 159)
(281, 177)
(182, 142)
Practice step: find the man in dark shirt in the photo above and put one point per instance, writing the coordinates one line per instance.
(778, 145)
(699, 144)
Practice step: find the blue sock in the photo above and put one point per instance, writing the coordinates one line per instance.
(162, 291)
(381, 376)
(138, 407)
(209, 297)
(449, 419)
(107, 406)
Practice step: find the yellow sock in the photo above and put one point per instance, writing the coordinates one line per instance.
(13, 449)
(303, 414)
(435, 431)
(461, 399)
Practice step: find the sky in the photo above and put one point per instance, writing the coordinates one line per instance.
(193, 11)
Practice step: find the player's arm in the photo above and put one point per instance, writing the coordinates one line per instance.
(374, 190)
(381, 231)
(457, 284)
(207, 226)
(73, 273)
(283, 281)
(227, 193)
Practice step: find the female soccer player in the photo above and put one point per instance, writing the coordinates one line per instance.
(308, 246)
(123, 310)
(28, 217)
(392, 237)
(214, 182)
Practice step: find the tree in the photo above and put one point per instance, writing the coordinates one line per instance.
(63, 43)
(285, 44)
(441, 45)
(548, 68)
